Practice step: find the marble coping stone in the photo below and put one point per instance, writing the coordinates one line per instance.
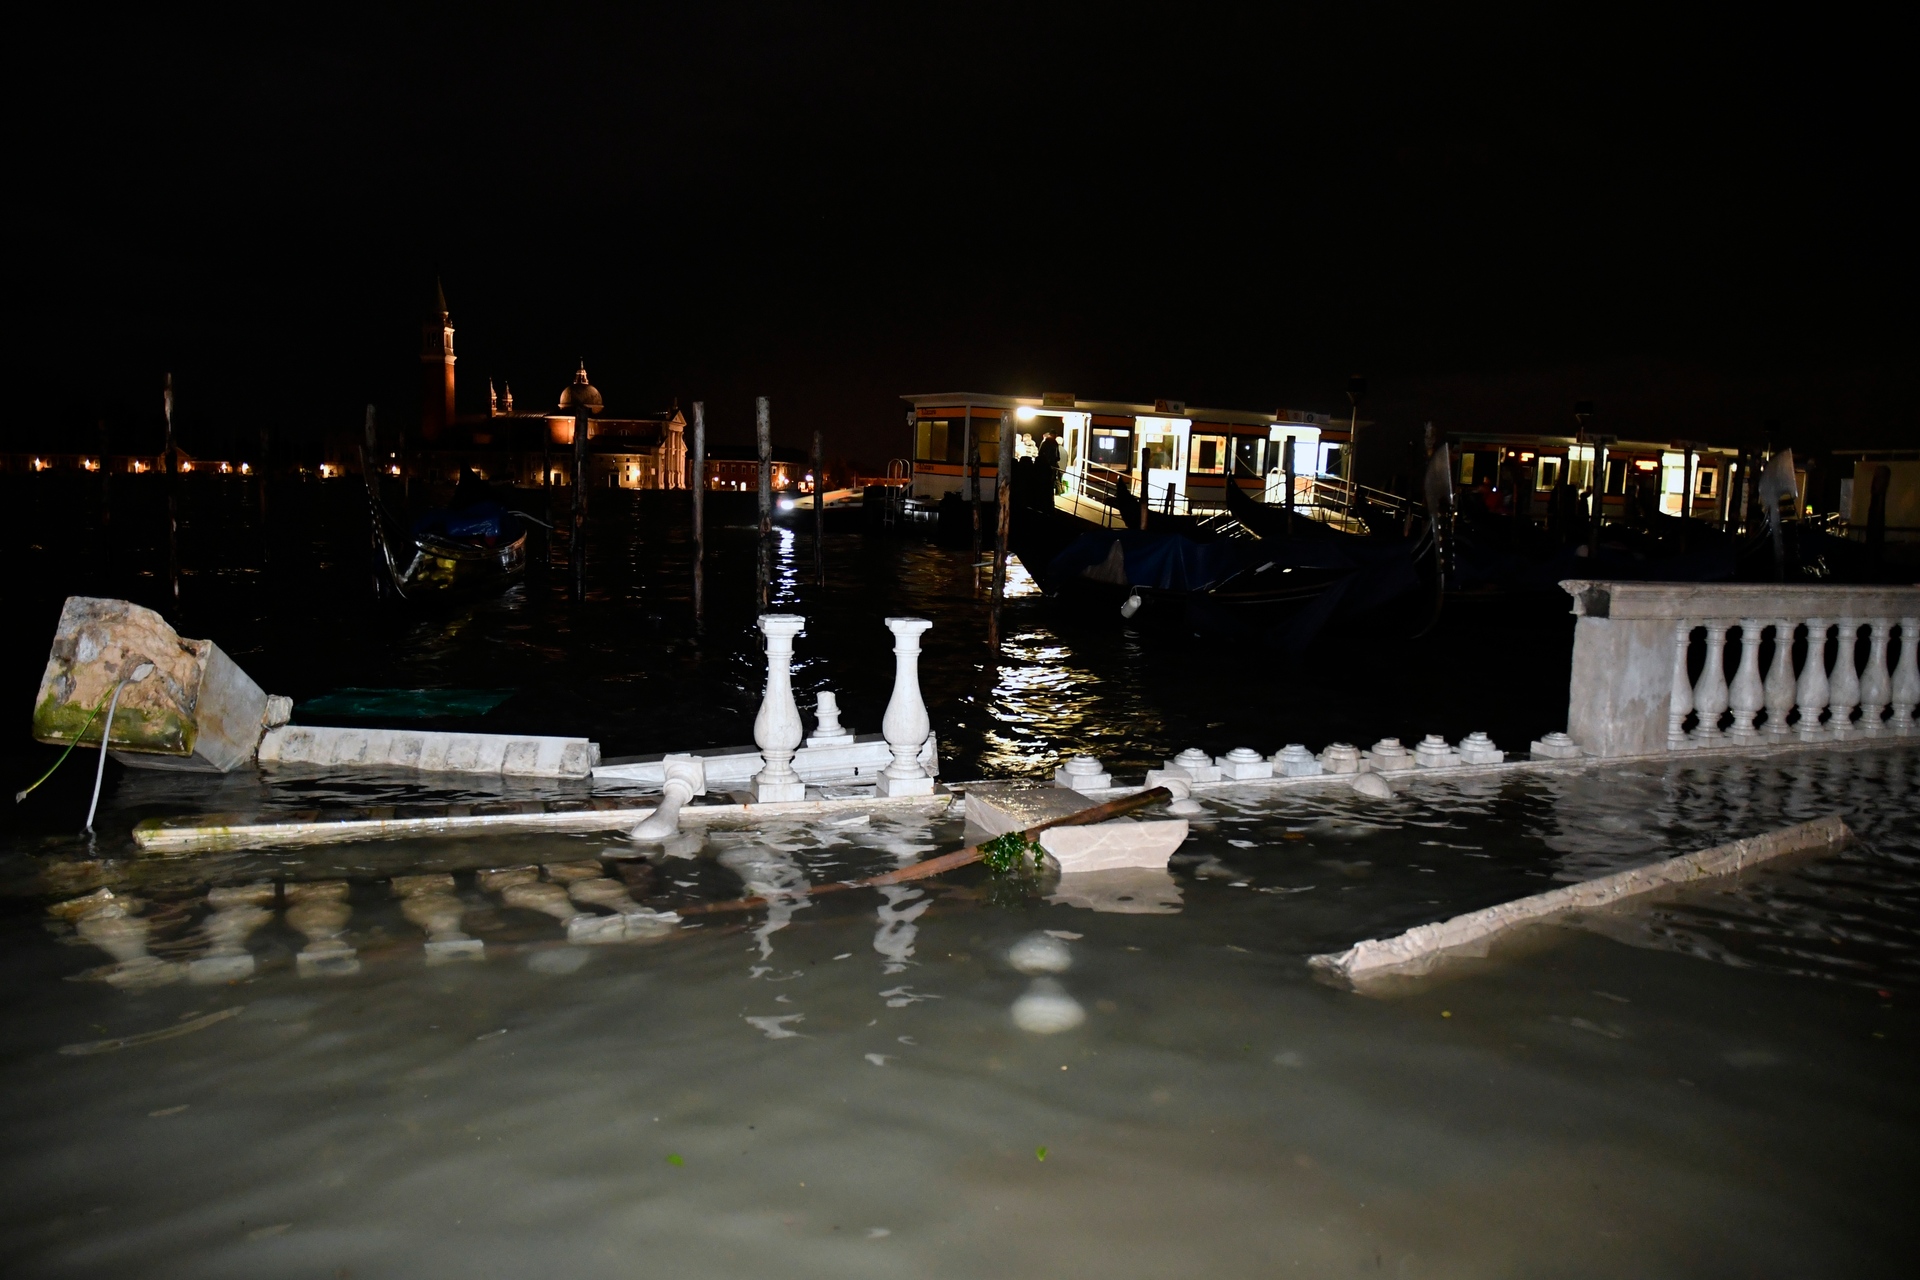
(1732, 601)
(1419, 949)
(995, 808)
(861, 756)
(508, 755)
(1115, 845)
(217, 832)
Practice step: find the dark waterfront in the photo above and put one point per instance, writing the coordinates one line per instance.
(1714, 1085)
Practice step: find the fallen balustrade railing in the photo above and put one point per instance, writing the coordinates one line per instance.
(1812, 664)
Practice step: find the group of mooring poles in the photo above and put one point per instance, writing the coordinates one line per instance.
(697, 482)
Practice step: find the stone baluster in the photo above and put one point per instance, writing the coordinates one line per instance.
(1710, 691)
(1780, 683)
(1812, 691)
(320, 910)
(1874, 681)
(1744, 694)
(905, 725)
(238, 910)
(429, 902)
(1680, 698)
(777, 728)
(1844, 687)
(1906, 678)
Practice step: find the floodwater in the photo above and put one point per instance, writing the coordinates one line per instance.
(1715, 1084)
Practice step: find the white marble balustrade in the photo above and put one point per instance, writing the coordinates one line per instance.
(1810, 664)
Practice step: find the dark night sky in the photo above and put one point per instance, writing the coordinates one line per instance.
(1700, 223)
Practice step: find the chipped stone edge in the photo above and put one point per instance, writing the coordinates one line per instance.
(1419, 949)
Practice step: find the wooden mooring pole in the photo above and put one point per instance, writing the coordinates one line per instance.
(171, 462)
(578, 547)
(1003, 501)
(763, 436)
(819, 510)
(698, 483)
(261, 469)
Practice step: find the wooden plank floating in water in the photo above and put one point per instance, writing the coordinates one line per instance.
(225, 832)
(1418, 950)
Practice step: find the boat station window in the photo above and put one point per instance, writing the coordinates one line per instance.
(931, 443)
(1466, 469)
(1580, 466)
(1706, 483)
(1112, 447)
(1616, 475)
(1246, 455)
(1209, 456)
(1546, 474)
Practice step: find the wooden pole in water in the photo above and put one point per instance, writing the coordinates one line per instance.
(260, 472)
(819, 510)
(698, 483)
(1003, 503)
(973, 491)
(763, 436)
(106, 490)
(370, 473)
(578, 549)
(170, 461)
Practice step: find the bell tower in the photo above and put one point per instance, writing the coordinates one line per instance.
(436, 368)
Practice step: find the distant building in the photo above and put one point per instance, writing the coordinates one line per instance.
(509, 446)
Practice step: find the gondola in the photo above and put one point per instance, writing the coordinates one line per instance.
(475, 546)
(1284, 590)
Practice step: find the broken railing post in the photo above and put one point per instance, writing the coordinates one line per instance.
(763, 437)
(777, 729)
(1003, 506)
(906, 724)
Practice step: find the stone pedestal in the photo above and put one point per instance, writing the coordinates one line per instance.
(1295, 761)
(1555, 746)
(1082, 773)
(1197, 764)
(777, 730)
(1387, 755)
(906, 725)
(1478, 748)
(1434, 752)
(1243, 763)
(1341, 757)
(827, 729)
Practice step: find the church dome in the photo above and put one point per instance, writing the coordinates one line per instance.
(581, 394)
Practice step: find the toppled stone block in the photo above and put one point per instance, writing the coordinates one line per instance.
(489, 753)
(197, 712)
(1109, 846)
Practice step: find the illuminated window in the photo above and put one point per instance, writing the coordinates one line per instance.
(931, 446)
(1209, 456)
(1706, 483)
(1466, 468)
(1546, 474)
